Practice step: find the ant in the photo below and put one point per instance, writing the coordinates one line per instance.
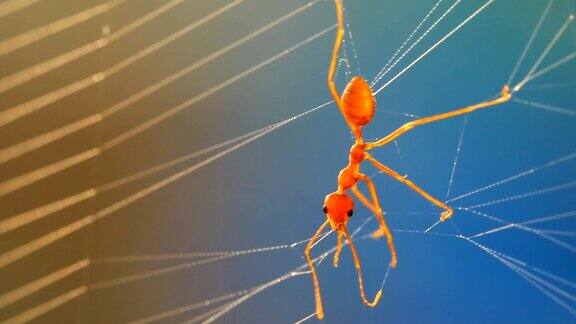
(357, 105)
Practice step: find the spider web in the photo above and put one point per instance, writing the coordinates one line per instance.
(210, 225)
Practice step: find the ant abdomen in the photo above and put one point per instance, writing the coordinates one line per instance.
(359, 101)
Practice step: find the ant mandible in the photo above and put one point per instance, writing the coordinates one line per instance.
(357, 105)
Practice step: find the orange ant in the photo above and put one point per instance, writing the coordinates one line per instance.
(357, 105)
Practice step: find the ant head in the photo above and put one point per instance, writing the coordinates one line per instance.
(338, 207)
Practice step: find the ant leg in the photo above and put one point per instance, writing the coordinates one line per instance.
(332, 70)
(359, 272)
(447, 210)
(317, 295)
(338, 250)
(377, 210)
(504, 96)
(363, 199)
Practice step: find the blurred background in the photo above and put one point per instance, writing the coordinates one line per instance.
(85, 103)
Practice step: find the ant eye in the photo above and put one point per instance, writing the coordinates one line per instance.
(324, 209)
(350, 212)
